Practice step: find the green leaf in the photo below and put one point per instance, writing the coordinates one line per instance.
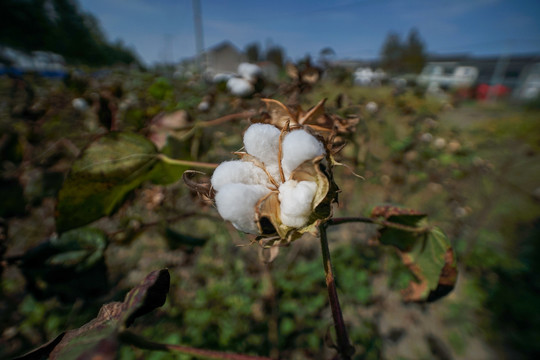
(165, 173)
(99, 337)
(432, 261)
(69, 266)
(101, 177)
(107, 170)
(402, 239)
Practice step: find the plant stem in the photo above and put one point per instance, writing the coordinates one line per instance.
(344, 220)
(218, 121)
(380, 222)
(344, 347)
(196, 164)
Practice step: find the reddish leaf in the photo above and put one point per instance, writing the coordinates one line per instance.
(397, 214)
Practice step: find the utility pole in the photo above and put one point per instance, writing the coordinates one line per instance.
(199, 44)
(499, 72)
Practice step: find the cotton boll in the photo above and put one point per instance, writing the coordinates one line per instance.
(439, 143)
(295, 202)
(426, 137)
(299, 146)
(236, 203)
(239, 172)
(79, 104)
(240, 87)
(249, 71)
(262, 141)
(221, 77)
(203, 106)
(372, 107)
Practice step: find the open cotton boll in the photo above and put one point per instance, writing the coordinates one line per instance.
(240, 87)
(295, 202)
(249, 71)
(236, 203)
(299, 146)
(241, 172)
(262, 141)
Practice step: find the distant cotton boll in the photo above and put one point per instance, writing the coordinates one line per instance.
(478, 161)
(240, 172)
(372, 107)
(411, 155)
(454, 146)
(203, 106)
(295, 202)
(439, 143)
(426, 137)
(221, 77)
(435, 187)
(79, 104)
(240, 87)
(431, 123)
(460, 212)
(299, 146)
(236, 203)
(249, 71)
(262, 141)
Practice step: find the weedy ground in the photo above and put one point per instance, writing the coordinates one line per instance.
(473, 167)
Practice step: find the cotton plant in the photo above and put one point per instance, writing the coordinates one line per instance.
(281, 187)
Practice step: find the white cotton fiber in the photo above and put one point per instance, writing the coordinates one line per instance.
(221, 77)
(240, 172)
(236, 203)
(299, 146)
(295, 202)
(249, 71)
(262, 141)
(240, 87)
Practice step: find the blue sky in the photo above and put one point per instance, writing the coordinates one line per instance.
(162, 30)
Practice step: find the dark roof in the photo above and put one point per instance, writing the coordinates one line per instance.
(222, 45)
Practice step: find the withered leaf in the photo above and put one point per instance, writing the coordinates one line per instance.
(279, 113)
(99, 337)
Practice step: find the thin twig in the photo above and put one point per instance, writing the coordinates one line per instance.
(380, 222)
(142, 343)
(344, 220)
(344, 346)
(218, 121)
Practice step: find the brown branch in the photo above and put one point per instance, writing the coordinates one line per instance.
(130, 338)
(219, 120)
(380, 222)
